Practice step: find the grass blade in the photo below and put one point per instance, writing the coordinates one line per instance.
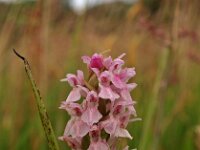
(46, 123)
(153, 100)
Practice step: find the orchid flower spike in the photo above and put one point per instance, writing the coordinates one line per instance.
(100, 112)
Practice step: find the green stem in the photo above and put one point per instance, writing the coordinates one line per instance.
(153, 100)
(46, 123)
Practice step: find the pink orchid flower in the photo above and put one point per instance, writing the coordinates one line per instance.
(114, 126)
(96, 142)
(75, 82)
(106, 91)
(76, 128)
(91, 115)
(96, 61)
(72, 142)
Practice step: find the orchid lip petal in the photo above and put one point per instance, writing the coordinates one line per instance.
(123, 133)
(74, 95)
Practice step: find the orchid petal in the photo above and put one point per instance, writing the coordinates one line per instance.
(91, 116)
(74, 95)
(120, 132)
(107, 93)
(86, 59)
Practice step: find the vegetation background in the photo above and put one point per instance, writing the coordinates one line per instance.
(160, 37)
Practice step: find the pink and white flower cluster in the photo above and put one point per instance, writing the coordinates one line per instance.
(101, 106)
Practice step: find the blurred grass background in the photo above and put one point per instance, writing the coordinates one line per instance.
(53, 38)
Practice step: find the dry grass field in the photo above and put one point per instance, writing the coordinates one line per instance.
(162, 42)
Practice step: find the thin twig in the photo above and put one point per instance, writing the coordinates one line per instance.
(46, 123)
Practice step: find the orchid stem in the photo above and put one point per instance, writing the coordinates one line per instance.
(46, 123)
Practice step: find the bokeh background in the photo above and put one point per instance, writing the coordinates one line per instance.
(160, 38)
